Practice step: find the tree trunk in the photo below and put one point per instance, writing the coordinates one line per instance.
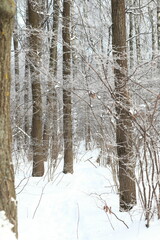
(7, 191)
(137, 32)
(67, 106)
(150, 13)
(26, 85)
(122, 100)
(158, 31)
(35, 20)
(131, 37)
(50, 139)
(87, 129)
(17, 84)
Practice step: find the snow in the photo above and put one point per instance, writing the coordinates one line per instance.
(5, 228)
(72, 206)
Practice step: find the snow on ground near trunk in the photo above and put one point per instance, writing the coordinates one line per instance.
(71, 206)
(5, 228)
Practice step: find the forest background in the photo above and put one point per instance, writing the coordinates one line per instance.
(86, 72)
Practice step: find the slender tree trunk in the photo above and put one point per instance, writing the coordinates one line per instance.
(87, 129)
(150, 13)
(122, 100)
(26, 84)
(137, 32)
(35, 20)
(17, 83)
(7, 191)
(67, 106)
(158, 31)
(50, 138)
(131, 37)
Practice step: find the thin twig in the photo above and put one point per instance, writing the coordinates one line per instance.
(91, 162)
(120, 219)
(78, 220)
(39, 201)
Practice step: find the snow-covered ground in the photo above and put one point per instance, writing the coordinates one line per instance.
(71, 207)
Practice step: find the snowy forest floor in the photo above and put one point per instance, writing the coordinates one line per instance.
(71, 207)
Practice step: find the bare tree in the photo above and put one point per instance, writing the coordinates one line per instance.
(158, 29)
(151, 17)
(35, 20)
(67, 106)
(50, 138)
(17, 82)
(137, 19)
(7, 191)
(131, 36)
(26, 82)
(122, 100)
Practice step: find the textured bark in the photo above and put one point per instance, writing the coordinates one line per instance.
(88, 129)
(35, 20)
(26, 85)
(51, 125)
(131, 37)
(67, 106)
(7, 191)
(17, 83)
(158, 30)
(137, 32)
(123, 123)
(151, 14)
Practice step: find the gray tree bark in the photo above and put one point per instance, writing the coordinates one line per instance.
(67, 105)
(35, 20)
(131, 37)
(26, 85)
(50, 138)
(158, 31)
(17, 83)
(124, 127)
(137, 32)
(150, 13)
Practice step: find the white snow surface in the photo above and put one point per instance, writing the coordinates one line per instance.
(70, 207)
(5, 228)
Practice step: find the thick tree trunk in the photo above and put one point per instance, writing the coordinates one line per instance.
(7, 191)
(122, 101)
(35, 20)
(67, 106)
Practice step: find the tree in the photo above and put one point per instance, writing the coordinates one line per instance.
(26, 82)
(51, 126)
(151, 18)
(17, 82)
(122, 103)
(158, 30)
(137, 19)
(35, 20)
(67, 106)
(131, 36)
(7, 191)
